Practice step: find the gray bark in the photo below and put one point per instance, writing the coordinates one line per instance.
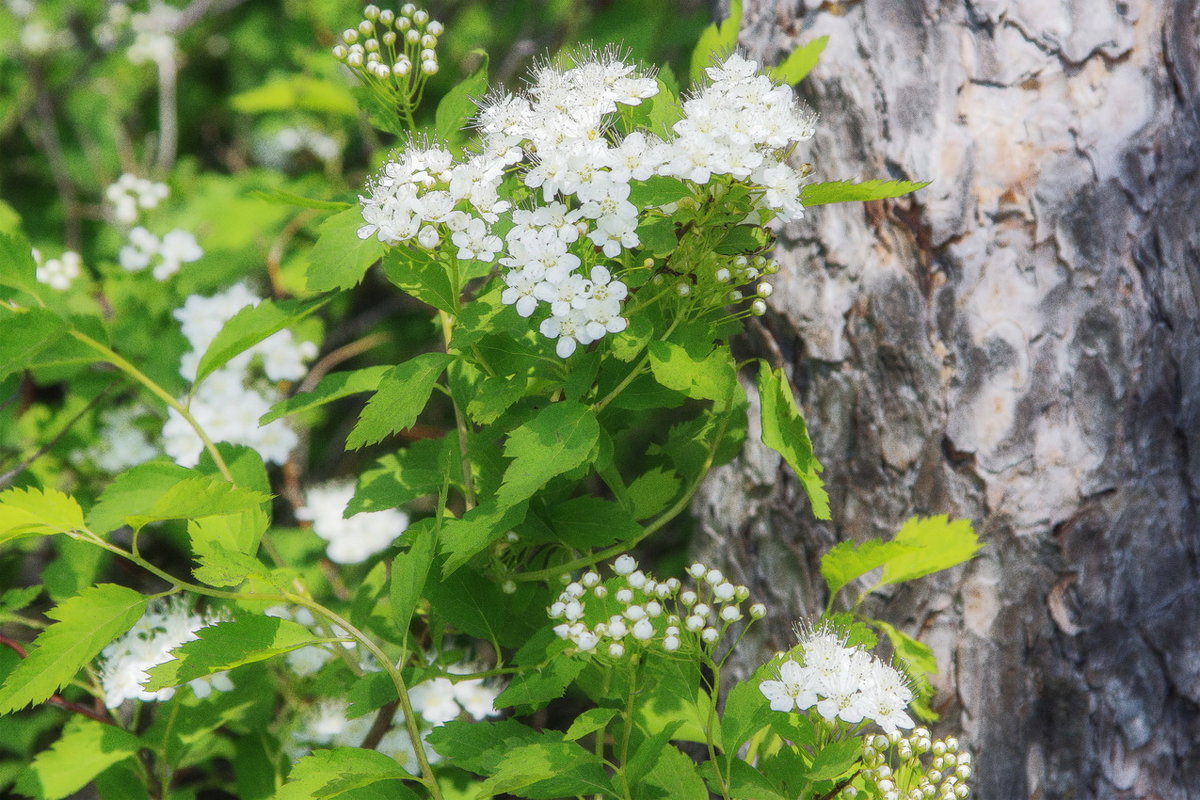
(1019, 344)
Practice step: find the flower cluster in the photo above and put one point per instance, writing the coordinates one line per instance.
(635, 609)
(392, 52)
(352, 540)
(894, 767)
(119, 443)
(166, 625)
(167, 254)
(58, 273)
(845, 683)
(129, 195)
(229, 403)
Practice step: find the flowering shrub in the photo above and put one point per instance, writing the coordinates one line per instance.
(463, 615)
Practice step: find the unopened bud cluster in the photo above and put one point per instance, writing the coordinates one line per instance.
(393, 51)
(915, 767)
(634, 608)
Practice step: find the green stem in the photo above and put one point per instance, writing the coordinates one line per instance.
(460, 422)
(156, 390)
(714, 692)
(627, 728)
(633, 374)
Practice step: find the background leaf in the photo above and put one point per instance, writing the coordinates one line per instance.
(819, 194)
(716, 42)
(799, 62)
(784, 431)
(332, 387)
(85, 749)
(936, 543)
(399, 400)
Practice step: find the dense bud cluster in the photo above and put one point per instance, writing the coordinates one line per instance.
(392, 52)
(915, 767)
(633, 609)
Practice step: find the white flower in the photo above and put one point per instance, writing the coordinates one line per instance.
(352, 540)
(784, 693)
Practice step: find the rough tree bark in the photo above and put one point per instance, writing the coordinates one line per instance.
(1020, 345)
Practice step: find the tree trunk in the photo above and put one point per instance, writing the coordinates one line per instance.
(1018, 344)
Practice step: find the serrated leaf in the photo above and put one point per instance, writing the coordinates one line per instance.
(85, 624)
(848, 560)
(536, 688)
(747, 711)
(37, 512)
(85, 749)
(835, 759)
(799, 62)
(629, 343)
(409, 572)
(709, 378)
(586, 522)
(419, 273)
(17, 267)
(476, 606)
(589, 721)
(459, 104)
(226, 645)
(220, 566)
(657, 190)
(34, 336)
(716, 42)
(400, 399)
(784, 431)
(653, 491)
(462, 538)
(936, 543)
(196, 497)
(340, 258)
(675, 773)
(332, 387)
(249, 327)
(284, 197)
(558, 439)
(479, 746)
(403, 476)
(819, 194)
(333, 773)
(495, 395)
(547, 770)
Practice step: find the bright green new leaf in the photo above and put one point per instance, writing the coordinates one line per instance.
(85, 624)
(709, 378)
(297, 92)
(558, 439)
(286, 198)
(747, 711)
(227, 645)
(200, 496)
(589, 721)
(409, 572)
(460, 103)
(333, 386)
(675, 775)
(220, 566)
(784, 431)
(400, 399)
(657, 191)
(37, 512)
(936, 543)
(819, 194)
(800, 62)
(17, 267)
(340, 258)
(404, 475)
(835, 759)
(479, 746)
(415, 271)
(335, 773)
(85, 749)
(249, 327)
(848, 560)
(716, 42)
(746, 782)
(535, 688)
(462, 538)
(548, 770)
(495, 395)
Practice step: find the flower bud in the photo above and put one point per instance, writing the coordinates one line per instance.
(349, 36)
(371, 45)
(697, 570)
(710, 635)
(435, 28)
(408, 9)
(429, 41)
(616, 649)
(371, 11)
(600, 591)
(420, 17)
(758, 611)
(643, 630)
(765, 289)
(671, 644)
(340, 52)
(387, 16)
(509, 587)
(758, 308)
(366, 27)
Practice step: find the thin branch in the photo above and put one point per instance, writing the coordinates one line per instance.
(8, 477)
(58, 700)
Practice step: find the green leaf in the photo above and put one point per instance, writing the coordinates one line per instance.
(653, 491)
(479, 746)
(17, 267)
(220, 566)
(409, 572)
(590, 721)
(286, 198)
(675, 774)
(784, 431)
(227, 645)
(848, 560)
(249, 327)
(400, 399)
(657, 235)
(800, 62)
(712, 377)
(586, 522)
(85, 624)
(462, 538)
(476, 606)
(16, 599)
(190, 498)
(629, 343)
(86, 748)
(548, 770)
(747, 711)
(716, 42)
(37, 512)
(336, 773)
(558, 439)
(35, 337)
(495, 395)
(835, 759)
(340, 258)
(419, 273)
(819, 194)
(460, 103)
(332, 387)
(403, 476)
(535, 688)
(657, 191)
(747, 783)
(936, 543)
(297, 92)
